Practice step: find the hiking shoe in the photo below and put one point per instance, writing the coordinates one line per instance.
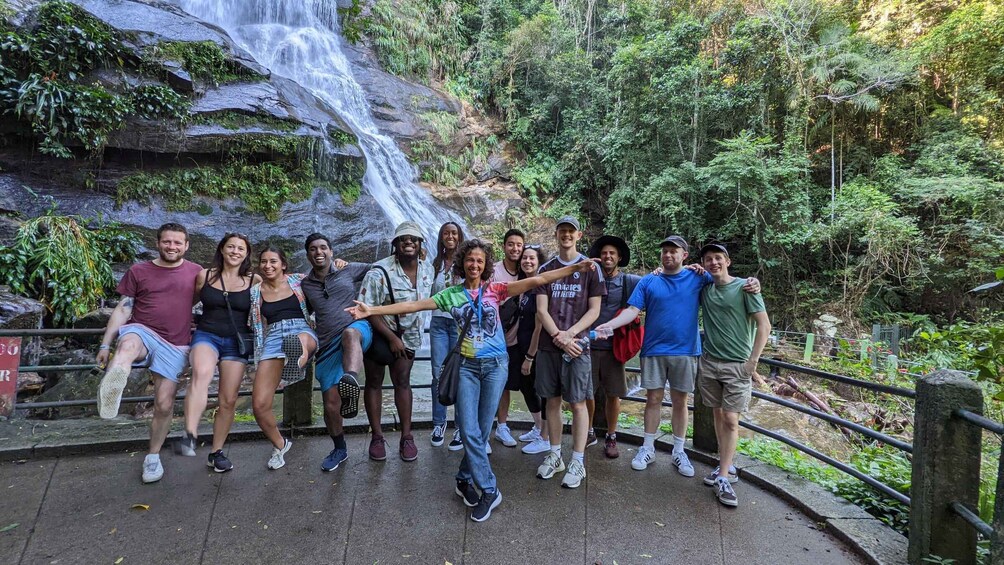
(348, 390)
(152, 469)
(539, 445)
(610, 447)
(591, 438)
(185, 445)
(334, 459)
(576, 472)
(409, 451)
(468, 493)
(110, 392)
(726, 495)
(456, 444)
(710, 479)
(490, 499)
(378, 448)
(219, 462)
(292, 372)
(276, 461)
(552, 464)
(682, 464)
(438, 435)
(503, 434)
(642, 459)
(530, 436)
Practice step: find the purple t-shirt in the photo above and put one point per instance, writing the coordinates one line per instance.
(163, 298)
(568, 298)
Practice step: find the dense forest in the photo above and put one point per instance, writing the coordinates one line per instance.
(849, 151)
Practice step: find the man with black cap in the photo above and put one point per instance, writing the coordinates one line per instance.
(566, 309)
(405, 276)
(671, 346)
(608, 372)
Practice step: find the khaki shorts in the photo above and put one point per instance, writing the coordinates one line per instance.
(680, 371)
(608, 373)
(723, 384)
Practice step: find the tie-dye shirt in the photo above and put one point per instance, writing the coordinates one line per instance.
(485, 338)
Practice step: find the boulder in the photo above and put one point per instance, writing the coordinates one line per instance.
(22, 313)
(81, 385)
(95, 319)
(825, 328)
(29, 384)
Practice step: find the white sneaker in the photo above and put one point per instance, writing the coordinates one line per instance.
(642, 459)
(573, 478)
(488, 447)
(276, 461)
(457, 443)
(552, 464)
(682, 463)
(152, 469)
(530, 436)
(110, 393)
(503, 434)
(539, 445)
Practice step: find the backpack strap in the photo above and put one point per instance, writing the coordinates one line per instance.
(630, 282)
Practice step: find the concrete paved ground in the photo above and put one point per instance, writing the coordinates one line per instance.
(81, 509)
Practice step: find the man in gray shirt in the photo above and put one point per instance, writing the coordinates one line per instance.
(329, 291)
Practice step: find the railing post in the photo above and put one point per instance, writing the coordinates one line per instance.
(704, 425)
(810, 344)
(296, 399)
(946, 468)
(997, 540)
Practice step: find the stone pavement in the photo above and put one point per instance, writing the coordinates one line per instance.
(82, 509)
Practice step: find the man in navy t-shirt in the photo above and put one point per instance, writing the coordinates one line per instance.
(672, 344)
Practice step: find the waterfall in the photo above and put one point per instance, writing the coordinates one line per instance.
(301, 40)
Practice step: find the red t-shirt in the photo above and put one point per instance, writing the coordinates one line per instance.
(163, 298)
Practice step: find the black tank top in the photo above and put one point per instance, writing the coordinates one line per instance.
(215, 318)
(286, 309)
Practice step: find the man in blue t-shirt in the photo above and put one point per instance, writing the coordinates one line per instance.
(672, 344)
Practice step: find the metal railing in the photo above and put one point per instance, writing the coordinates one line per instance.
(995, 533)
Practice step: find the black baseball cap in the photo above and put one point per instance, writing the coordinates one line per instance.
(714, 247)
(676, 241)
(570, 220)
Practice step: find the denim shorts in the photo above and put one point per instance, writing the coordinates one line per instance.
(272, 348)
(226, 347)
(165, 359)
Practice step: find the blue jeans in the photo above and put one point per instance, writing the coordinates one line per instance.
(478, 394)
(442, 339)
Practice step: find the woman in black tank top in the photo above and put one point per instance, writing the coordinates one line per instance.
(224, 289)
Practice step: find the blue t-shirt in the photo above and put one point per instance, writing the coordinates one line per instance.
(670, 303)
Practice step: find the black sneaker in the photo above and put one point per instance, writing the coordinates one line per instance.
(186, 445)
(456, 444)
(466, 491)
(726, 495)
(219, 462)
(348, 390)
(490, 499)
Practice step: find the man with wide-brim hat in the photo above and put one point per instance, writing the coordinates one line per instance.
(608, 373)
(409, 277)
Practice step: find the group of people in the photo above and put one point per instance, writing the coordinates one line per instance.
(542, 326)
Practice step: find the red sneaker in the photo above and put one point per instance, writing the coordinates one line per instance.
(378, 448)
(610, 448)
(409, 451)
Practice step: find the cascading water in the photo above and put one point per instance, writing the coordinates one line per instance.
(300, 39)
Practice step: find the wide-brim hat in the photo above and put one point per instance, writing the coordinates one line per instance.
(407, 228)
(620, 244)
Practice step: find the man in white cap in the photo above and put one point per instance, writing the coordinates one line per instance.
(405, 276)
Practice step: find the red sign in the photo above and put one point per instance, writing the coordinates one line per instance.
(10, 360)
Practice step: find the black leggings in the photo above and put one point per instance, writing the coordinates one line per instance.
(517, 354)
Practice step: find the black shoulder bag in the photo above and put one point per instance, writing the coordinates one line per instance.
(245, 343)
(449, 374)
(379, 350)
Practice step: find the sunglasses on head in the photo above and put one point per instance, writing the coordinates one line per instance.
(535, 247)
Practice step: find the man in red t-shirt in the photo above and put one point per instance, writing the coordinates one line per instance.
(156, 302)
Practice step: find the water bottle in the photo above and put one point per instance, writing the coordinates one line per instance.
(604, 333)
(583, 344)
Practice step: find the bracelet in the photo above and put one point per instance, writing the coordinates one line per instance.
(104, 347)
(530, 357)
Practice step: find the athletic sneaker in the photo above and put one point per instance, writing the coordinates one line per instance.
(468, 493)
(276, 461)
(610, 447)
(378, 448)
(219, 462)
(643, 458)
(530, 436)
(503, 434)
(682, 464)
(490, 499)
(334, 459)
(152, 469)
(552, 464)
(438, 435)
(408, 449)
(576, 472)
(726, 495)
(710, 479)
(456, 444)
(291, 370)
(110, 392)
(186, 445)
(591, 438)
(488, 448)
(348, 390)
(539, 445)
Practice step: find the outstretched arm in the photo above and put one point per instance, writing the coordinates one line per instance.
(626, 316)
(361, 310)
(120, 315)
(519, 287)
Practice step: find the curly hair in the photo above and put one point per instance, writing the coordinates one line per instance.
(466, 247)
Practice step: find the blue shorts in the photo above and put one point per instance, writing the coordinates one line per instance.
(164, 358)
(272, 347)
(225, 346)
(328, 369)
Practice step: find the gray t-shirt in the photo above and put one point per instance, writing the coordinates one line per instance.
(568, 298)
(329, 298)
(612, 304)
